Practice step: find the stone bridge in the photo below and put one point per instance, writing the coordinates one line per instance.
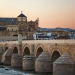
(36, 47)
(55, 48)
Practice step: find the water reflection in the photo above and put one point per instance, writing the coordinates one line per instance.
(10, 71)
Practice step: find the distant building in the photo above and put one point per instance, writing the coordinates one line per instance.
(13, 26)
(40, 36)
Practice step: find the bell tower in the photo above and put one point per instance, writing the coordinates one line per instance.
(22, 22)
(22, 17)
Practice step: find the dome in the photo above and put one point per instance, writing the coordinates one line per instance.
(21, 15)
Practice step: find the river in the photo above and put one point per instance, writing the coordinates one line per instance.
(7, 70)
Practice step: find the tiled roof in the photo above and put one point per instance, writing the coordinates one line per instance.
(9, 20)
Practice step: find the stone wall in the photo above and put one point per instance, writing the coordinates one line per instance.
(10, 38)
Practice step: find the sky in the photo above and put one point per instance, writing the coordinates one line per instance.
(51, 13)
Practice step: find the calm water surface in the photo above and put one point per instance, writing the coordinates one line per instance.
(6, 70)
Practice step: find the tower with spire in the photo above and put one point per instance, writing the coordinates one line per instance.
(22, 22)
(12, 21)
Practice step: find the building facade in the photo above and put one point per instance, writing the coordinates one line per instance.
(14, 26)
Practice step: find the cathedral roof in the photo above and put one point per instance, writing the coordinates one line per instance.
(21, 15)
(7, 20)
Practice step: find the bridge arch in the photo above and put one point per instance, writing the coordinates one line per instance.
(39, 49)
(26, 50)
(6, 47)
(55, 55)
(15, 50)
(55, 48)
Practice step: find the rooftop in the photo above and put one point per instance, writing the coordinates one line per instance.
(9, 20)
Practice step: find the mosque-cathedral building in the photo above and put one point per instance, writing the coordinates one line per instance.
(14, 26)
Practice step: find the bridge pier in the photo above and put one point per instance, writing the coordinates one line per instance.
(28, 62)
(6, 57)
(1, 53)
(42, 63)
(64, 65)
(16, 60)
